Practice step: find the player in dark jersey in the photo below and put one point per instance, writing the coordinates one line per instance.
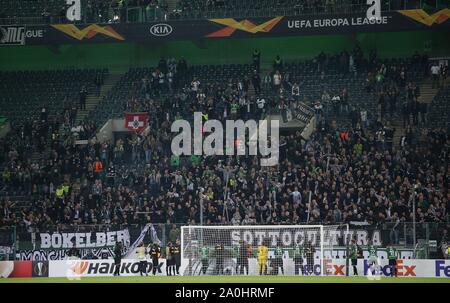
(170, 265)
(155, 254)
(278, 261)
(298, 260)
(392, 256)
(242, 259)
(272, 267)
(117, 258)
(205, 259)
(354, 257)
(176, 253)
(220, 258)
(309, 252)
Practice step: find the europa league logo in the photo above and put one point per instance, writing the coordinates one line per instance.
(40, 269)
(39, 266)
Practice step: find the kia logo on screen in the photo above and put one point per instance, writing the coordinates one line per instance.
(161, 29)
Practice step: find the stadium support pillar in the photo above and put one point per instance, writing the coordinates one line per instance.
(309, 206)
(347, 250)
(414, 221)
(322, 265)
(201, 211)
(201, 221)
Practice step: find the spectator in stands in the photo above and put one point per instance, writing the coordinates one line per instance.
(62, 14)
(267, 81)
(444, 74)
(369, 82)
(182, 66)
(98, 167)
(344, 62)
(392, 95)
(406, 113)
(277, 80)
(277, 64)
(435, 71)
(321, 60)
(318, 111)
(82, 97)
(170, 80)
(382, 104)
(261, 104)
(44, 115)
(344, 102)
(336, 101)
(162, 65)
(326, 102)
(422, 111)
(195, 84)
(98, 83)
(256, 58)
(295, 91)
(363, 179)
(45, 15)
(162, 81)
(354, 116)
(256, 82)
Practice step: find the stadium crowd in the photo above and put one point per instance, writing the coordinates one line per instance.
(150, 10)
(342, 173)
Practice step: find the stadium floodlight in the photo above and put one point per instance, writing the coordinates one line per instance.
(291, 249)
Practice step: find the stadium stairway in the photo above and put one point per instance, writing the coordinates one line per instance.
(92, 99)
(172, 5)
(251, 91)
(399, 132)
(35, 157)
(427, 94)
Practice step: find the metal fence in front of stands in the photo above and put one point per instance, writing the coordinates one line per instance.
(142, 14)
(431, 238)
(390, 233)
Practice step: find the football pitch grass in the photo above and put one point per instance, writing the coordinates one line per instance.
(226, 279)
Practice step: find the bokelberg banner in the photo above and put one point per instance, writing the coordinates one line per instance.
(90, 245)
(278, 26)
(84, 239)
(56, 245)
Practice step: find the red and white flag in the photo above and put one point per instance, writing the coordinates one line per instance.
(136, 121)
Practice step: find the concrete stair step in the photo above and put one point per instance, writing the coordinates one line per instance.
(36, 156)
(93, 100)
(427, 92)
